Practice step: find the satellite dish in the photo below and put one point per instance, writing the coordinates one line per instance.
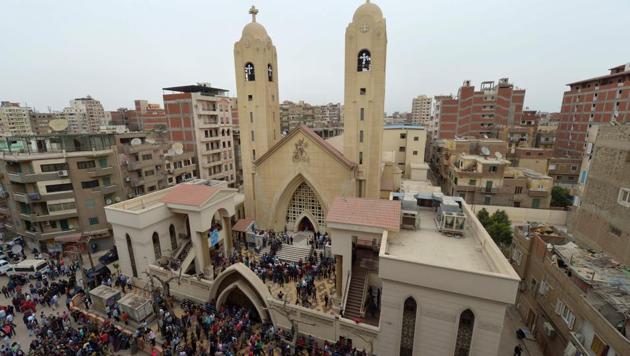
(108, 201)
(178, 148)
(149, 140)
(120, 129)
(485, 151)
(136, 141)
(16, 249)
(498, 155)
(58, 124)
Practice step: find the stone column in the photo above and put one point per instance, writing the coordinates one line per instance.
(228, 241)
(203, 264)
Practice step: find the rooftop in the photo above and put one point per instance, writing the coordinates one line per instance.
(189, 194)
(429, 246)
(403, 127)
(197, 88)
(379, 213)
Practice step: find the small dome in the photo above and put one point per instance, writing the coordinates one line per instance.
(255, 30)
(368, 9)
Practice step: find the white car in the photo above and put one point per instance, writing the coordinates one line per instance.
(4, 266)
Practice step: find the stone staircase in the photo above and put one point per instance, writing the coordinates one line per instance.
(355, 294)
(291, 253)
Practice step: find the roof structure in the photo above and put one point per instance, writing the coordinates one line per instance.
(196, 88)
(307, 131)
(190, 194)
(377, 213)
(242, 225)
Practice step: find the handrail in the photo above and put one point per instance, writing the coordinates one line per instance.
(365, 289)
(344, 298)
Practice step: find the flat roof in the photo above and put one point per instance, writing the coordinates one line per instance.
(403, 126)
(429, 246)
(196, 88)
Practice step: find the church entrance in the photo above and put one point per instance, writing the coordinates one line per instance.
(306, 225)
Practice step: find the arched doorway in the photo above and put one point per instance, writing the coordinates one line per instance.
(305, 224)
(407, 335)
(132, 258)
(465, 333)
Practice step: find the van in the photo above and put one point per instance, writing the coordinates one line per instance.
(4, 266)
(28, 268)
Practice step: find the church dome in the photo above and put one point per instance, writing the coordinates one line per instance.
(368, 9)
(255, 30)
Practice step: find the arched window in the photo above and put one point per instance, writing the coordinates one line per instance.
(171, 231)
(464, 333)
(134, 270)
(364, 61)
(408, 327)
(156, 246)
(270, 72)
(250, 74)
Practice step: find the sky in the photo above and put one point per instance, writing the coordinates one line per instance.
(121, 50)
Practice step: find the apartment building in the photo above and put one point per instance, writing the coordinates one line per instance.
(421, 110)
(546, 135)
(142, 163)
(602, 218)
(200, 117)
(85, 115)
(536, 159)
(404, 145)
(491, 181)
(14, 119)
(601, 99)
(480, 113)
(40, 122)
(146, 117)
(564, 171)
(58, 186)
(574, 300)
(436, 110)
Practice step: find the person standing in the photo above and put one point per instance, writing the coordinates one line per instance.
(518, 350)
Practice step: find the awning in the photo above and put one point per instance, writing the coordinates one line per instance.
(243, 225)
(69, 238)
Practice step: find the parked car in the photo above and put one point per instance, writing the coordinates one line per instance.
(109, 257)
(28, 268)
(4, 266)
(96, 275)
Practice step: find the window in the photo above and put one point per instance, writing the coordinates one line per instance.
(487, 200)
(157, 249)
(147, 157)
(53, 167)
(536, 203)
(93, 221)
(173, 235)
(362, 114)
(86, 164)
(408, 327)
(361, 136)
(134, 270)
(565, 313)
(250, 73)
(107, 181)
(90, 203)
(270, 72)
(455, 180)
(54, 188)
(254, 155)
(415, 153)
(472, 182)
(364, 61)
(624, 197)
(416, 138)
(492, 169)
(464, 333)
(362, 91)
(251, 117)
(574, 168)
(61, 207)
(518, 190)
(89, 184)
(250, 97)
(401, 149)
(403, 136)
(252, 136)
(517, 204)
(360, 157)
(102, 162)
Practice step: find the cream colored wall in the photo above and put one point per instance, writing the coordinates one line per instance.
(327, 176)
(524, 215)
(342, 245)
(538, 165)
(437, 317)
(392, 143)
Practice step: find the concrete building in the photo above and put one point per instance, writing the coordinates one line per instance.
(601, 99)
(40, 122)
(546, 136)
(14, 119)
(404, 145)
(421, 110)
(200, 117)
(564, 171)
(480, 113)
(434, 125)
(536, 159)
(574, 300)
(324, 119)
(146, 117)
(58, 186)
(142, 166)
(602, 219)
(85, 115)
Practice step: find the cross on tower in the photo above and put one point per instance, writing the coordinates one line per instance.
(253, 11)
(364, 58)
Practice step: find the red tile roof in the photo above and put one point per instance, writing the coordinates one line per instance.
(365, 212)
(308, 132)
(242, 225)
(190, 194)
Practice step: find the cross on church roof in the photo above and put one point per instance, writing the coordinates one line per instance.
(253, 11)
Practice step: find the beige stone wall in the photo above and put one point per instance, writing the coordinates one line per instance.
(277, 177)
(523, 215)
(414, 142)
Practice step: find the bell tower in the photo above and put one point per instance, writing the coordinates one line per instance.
(255, 63)
(364, 99)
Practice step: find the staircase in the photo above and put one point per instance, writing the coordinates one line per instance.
(291, 253)
(355, 294)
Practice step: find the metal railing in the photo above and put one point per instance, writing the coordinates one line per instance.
(346, 291)
(365, 289)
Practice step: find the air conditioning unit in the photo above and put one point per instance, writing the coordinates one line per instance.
(127, 179)
(62, 173)
(125, 163)
(117, 199)
(130, 195)
(549, 330)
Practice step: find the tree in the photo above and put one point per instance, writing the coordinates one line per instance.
(498, 226)
(484, 217)
(560, 197)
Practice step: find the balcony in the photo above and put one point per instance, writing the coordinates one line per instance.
(136, 182)
(136, 165)
(486, 190)
(34, 217)
(131, 149)
(98, 172)
(109, 189)
(538, 193)
(46, 235)
(35, 177)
